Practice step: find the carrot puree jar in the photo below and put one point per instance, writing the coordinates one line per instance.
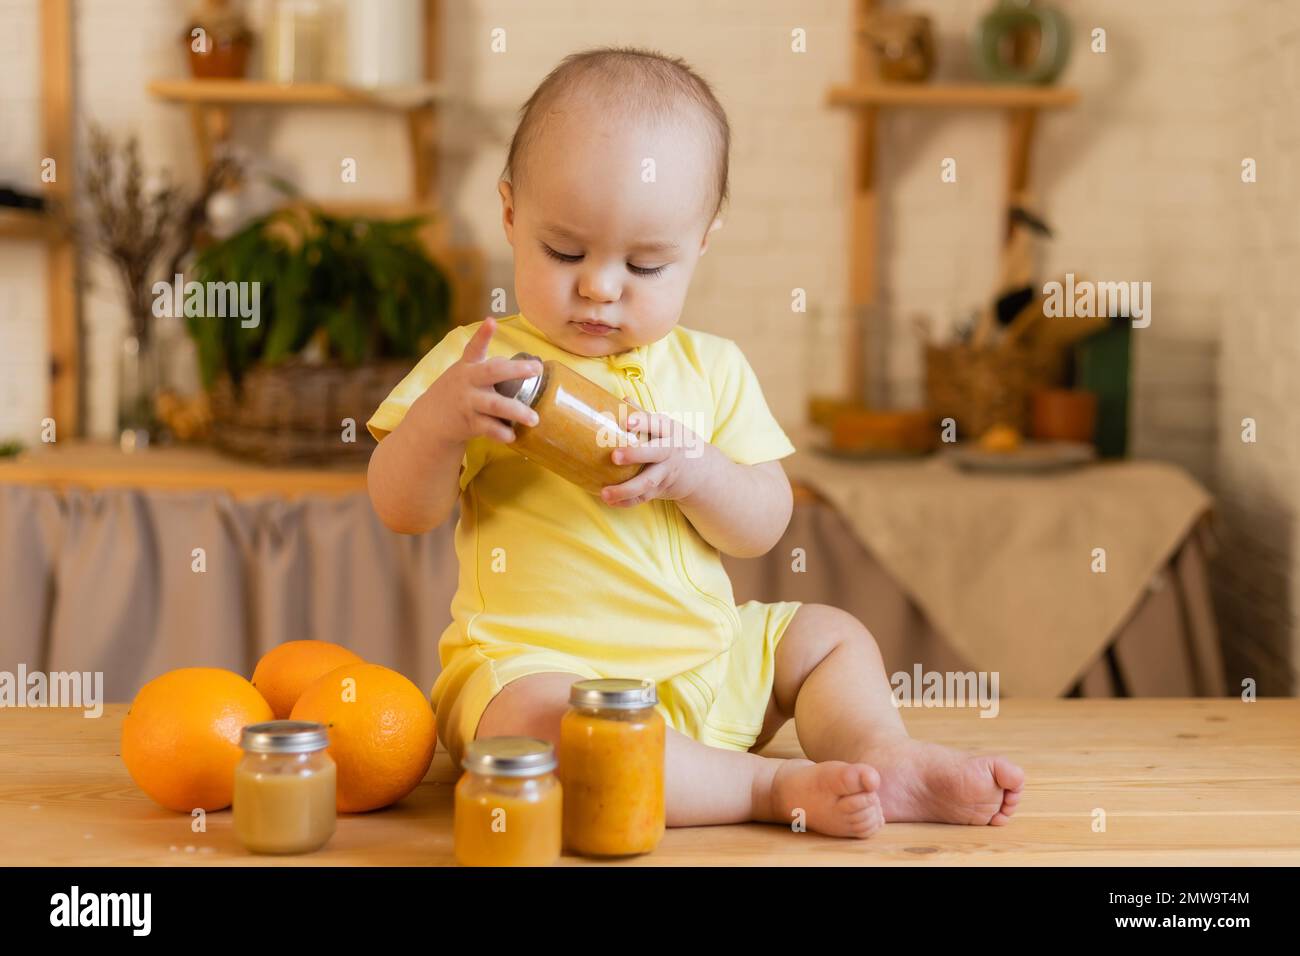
(579, 425)
(612, 768)
(508, 806)
(284, 796)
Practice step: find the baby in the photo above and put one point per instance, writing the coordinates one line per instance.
(612, 187)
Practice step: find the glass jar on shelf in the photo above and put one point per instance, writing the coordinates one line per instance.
(294, 41)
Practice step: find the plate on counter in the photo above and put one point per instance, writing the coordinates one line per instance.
(1033, 456)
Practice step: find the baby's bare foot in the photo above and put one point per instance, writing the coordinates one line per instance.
(837, 798)
(922, 782)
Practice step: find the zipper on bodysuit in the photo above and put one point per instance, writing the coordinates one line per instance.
(672, 514)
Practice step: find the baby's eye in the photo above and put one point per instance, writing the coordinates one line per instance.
(559, 255)
(642, 271)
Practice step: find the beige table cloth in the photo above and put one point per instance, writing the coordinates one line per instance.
(1008, 566)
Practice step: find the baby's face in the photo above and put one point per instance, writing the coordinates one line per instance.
(594, 242)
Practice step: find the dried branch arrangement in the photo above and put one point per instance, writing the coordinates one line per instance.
(137, 227)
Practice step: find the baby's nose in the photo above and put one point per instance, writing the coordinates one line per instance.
(599, 286)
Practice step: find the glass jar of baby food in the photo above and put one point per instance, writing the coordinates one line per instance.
(284, 796)
(612, 768)
(508, 806)
(579, 425)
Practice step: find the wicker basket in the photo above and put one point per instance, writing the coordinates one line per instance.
(980, 388)
(294, 412)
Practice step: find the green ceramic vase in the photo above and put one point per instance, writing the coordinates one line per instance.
(1005, 20)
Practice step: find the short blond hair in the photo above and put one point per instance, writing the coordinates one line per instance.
(632, 83)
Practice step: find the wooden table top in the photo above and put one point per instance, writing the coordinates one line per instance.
(1211, 782)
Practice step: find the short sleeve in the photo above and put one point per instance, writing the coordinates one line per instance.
(743, 426)
(393, 409)
(437, 360)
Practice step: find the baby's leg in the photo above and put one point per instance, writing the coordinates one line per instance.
(707, 785)
(830, 677)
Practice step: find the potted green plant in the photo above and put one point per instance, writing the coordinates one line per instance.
(345, 305)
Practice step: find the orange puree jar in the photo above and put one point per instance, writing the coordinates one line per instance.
(508, 807)
(284, 794)
(579, 425)
(612, 768)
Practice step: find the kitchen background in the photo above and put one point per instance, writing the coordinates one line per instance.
(1140, 181)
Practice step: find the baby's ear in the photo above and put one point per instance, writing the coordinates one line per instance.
(507, 209)
(716, 224)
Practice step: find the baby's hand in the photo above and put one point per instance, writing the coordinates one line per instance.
(676, 457)
(462, 402)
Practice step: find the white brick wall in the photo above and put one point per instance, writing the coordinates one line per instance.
(1258, 484)
(23, 340)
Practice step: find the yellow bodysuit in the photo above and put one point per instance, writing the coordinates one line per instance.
(554, 579)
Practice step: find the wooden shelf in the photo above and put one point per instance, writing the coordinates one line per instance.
(211, 104)
(952, 96)
(866, 95)
(260, 93)
(24, 224)
(214, 107)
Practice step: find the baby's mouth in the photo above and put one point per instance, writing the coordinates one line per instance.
(595, 328)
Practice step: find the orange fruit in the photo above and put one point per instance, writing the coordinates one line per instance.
(285, 671)
(1000, 438)
(381, 731)
(180, 739)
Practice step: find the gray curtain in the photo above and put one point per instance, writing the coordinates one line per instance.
(106, 581)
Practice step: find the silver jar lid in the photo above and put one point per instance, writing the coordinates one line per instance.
(613, 693)
(284, 737)
(525, 390)
(509, 757)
